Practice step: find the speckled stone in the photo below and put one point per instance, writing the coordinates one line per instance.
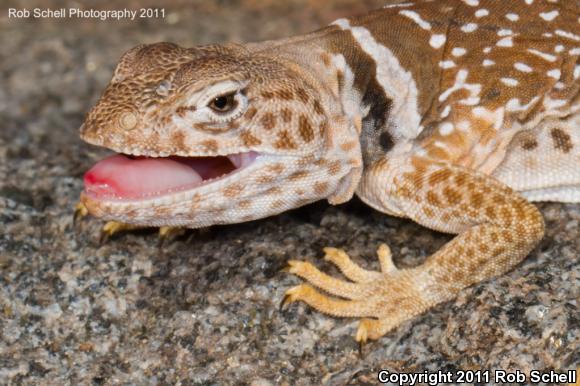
(204, 308)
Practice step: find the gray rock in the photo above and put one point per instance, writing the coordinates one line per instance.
(204, 310)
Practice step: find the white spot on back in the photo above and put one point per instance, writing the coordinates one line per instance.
(460, 78)
(487, 50)
(554, 74)
(505, 32)
(549, 16)
(512, 16)
(550, 103)
(515, 105)
(416, 18)
(529, 2)
(445, 64)
(446, 111)
(437, 41)
(481, 13)
(472, 3)
(577, 71)
(505, 42)
(522, 67)
(567, 35)
(398, 5)
(469, 27)
(458, 51)
(559, 48)
(543, 55)
(495, 117)
(446, 128)
(488, 62)
(574, 51)
(511, 82)
(471, 101)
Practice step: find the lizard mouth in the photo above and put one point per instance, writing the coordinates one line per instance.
(124, 177)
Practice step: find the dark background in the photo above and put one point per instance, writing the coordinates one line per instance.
(204, 308)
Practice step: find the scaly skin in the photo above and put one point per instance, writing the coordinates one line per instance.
(455, 114)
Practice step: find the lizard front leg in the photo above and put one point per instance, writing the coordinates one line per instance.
(496, 229)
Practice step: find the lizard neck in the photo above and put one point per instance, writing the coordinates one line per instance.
(329, 74)
(375, 91)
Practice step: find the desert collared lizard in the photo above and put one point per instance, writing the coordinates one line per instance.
(455, 114)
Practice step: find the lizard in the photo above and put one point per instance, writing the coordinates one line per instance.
(455, 114)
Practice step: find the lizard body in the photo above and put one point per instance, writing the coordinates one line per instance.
(455, 114)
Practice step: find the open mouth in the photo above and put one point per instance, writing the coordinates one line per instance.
(122, 177)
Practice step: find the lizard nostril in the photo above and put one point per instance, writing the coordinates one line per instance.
(128, 121)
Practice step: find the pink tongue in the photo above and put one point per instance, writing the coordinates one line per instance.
(124, 178)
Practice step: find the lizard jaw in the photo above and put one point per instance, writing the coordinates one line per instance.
(126, 178)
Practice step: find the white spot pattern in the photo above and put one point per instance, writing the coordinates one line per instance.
(495, 117)
(481, 13)
(550, 103)
(401, 5)
(522, 67)
(549, 16)
(511, 82)
(512, 16)
(469, 27)
(437, 41)
(446, 128)
(514, 104)
(505, 42)
(556, 74)
(567, 35)
(416, 18)
(446, 64)
(460, 83)
(543, 55)
(505, 32)
(458, 51)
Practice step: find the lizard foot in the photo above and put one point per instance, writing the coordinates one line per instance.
(382, 299)
(80, 212)
(113, 227)
(168, 234)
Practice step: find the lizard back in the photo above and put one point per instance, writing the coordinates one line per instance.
(486, 84)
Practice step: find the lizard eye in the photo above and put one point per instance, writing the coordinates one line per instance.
(218, 104)
(223, 103)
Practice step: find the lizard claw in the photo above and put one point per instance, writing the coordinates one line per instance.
(113, 227)
(168, 234)
(292, 295)
(382, 300)
(284, 303)
(362, 333)
(80, 212)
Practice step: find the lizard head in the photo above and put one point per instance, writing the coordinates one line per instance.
(213, 135)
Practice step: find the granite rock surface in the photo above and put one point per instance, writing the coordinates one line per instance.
(203, 309)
